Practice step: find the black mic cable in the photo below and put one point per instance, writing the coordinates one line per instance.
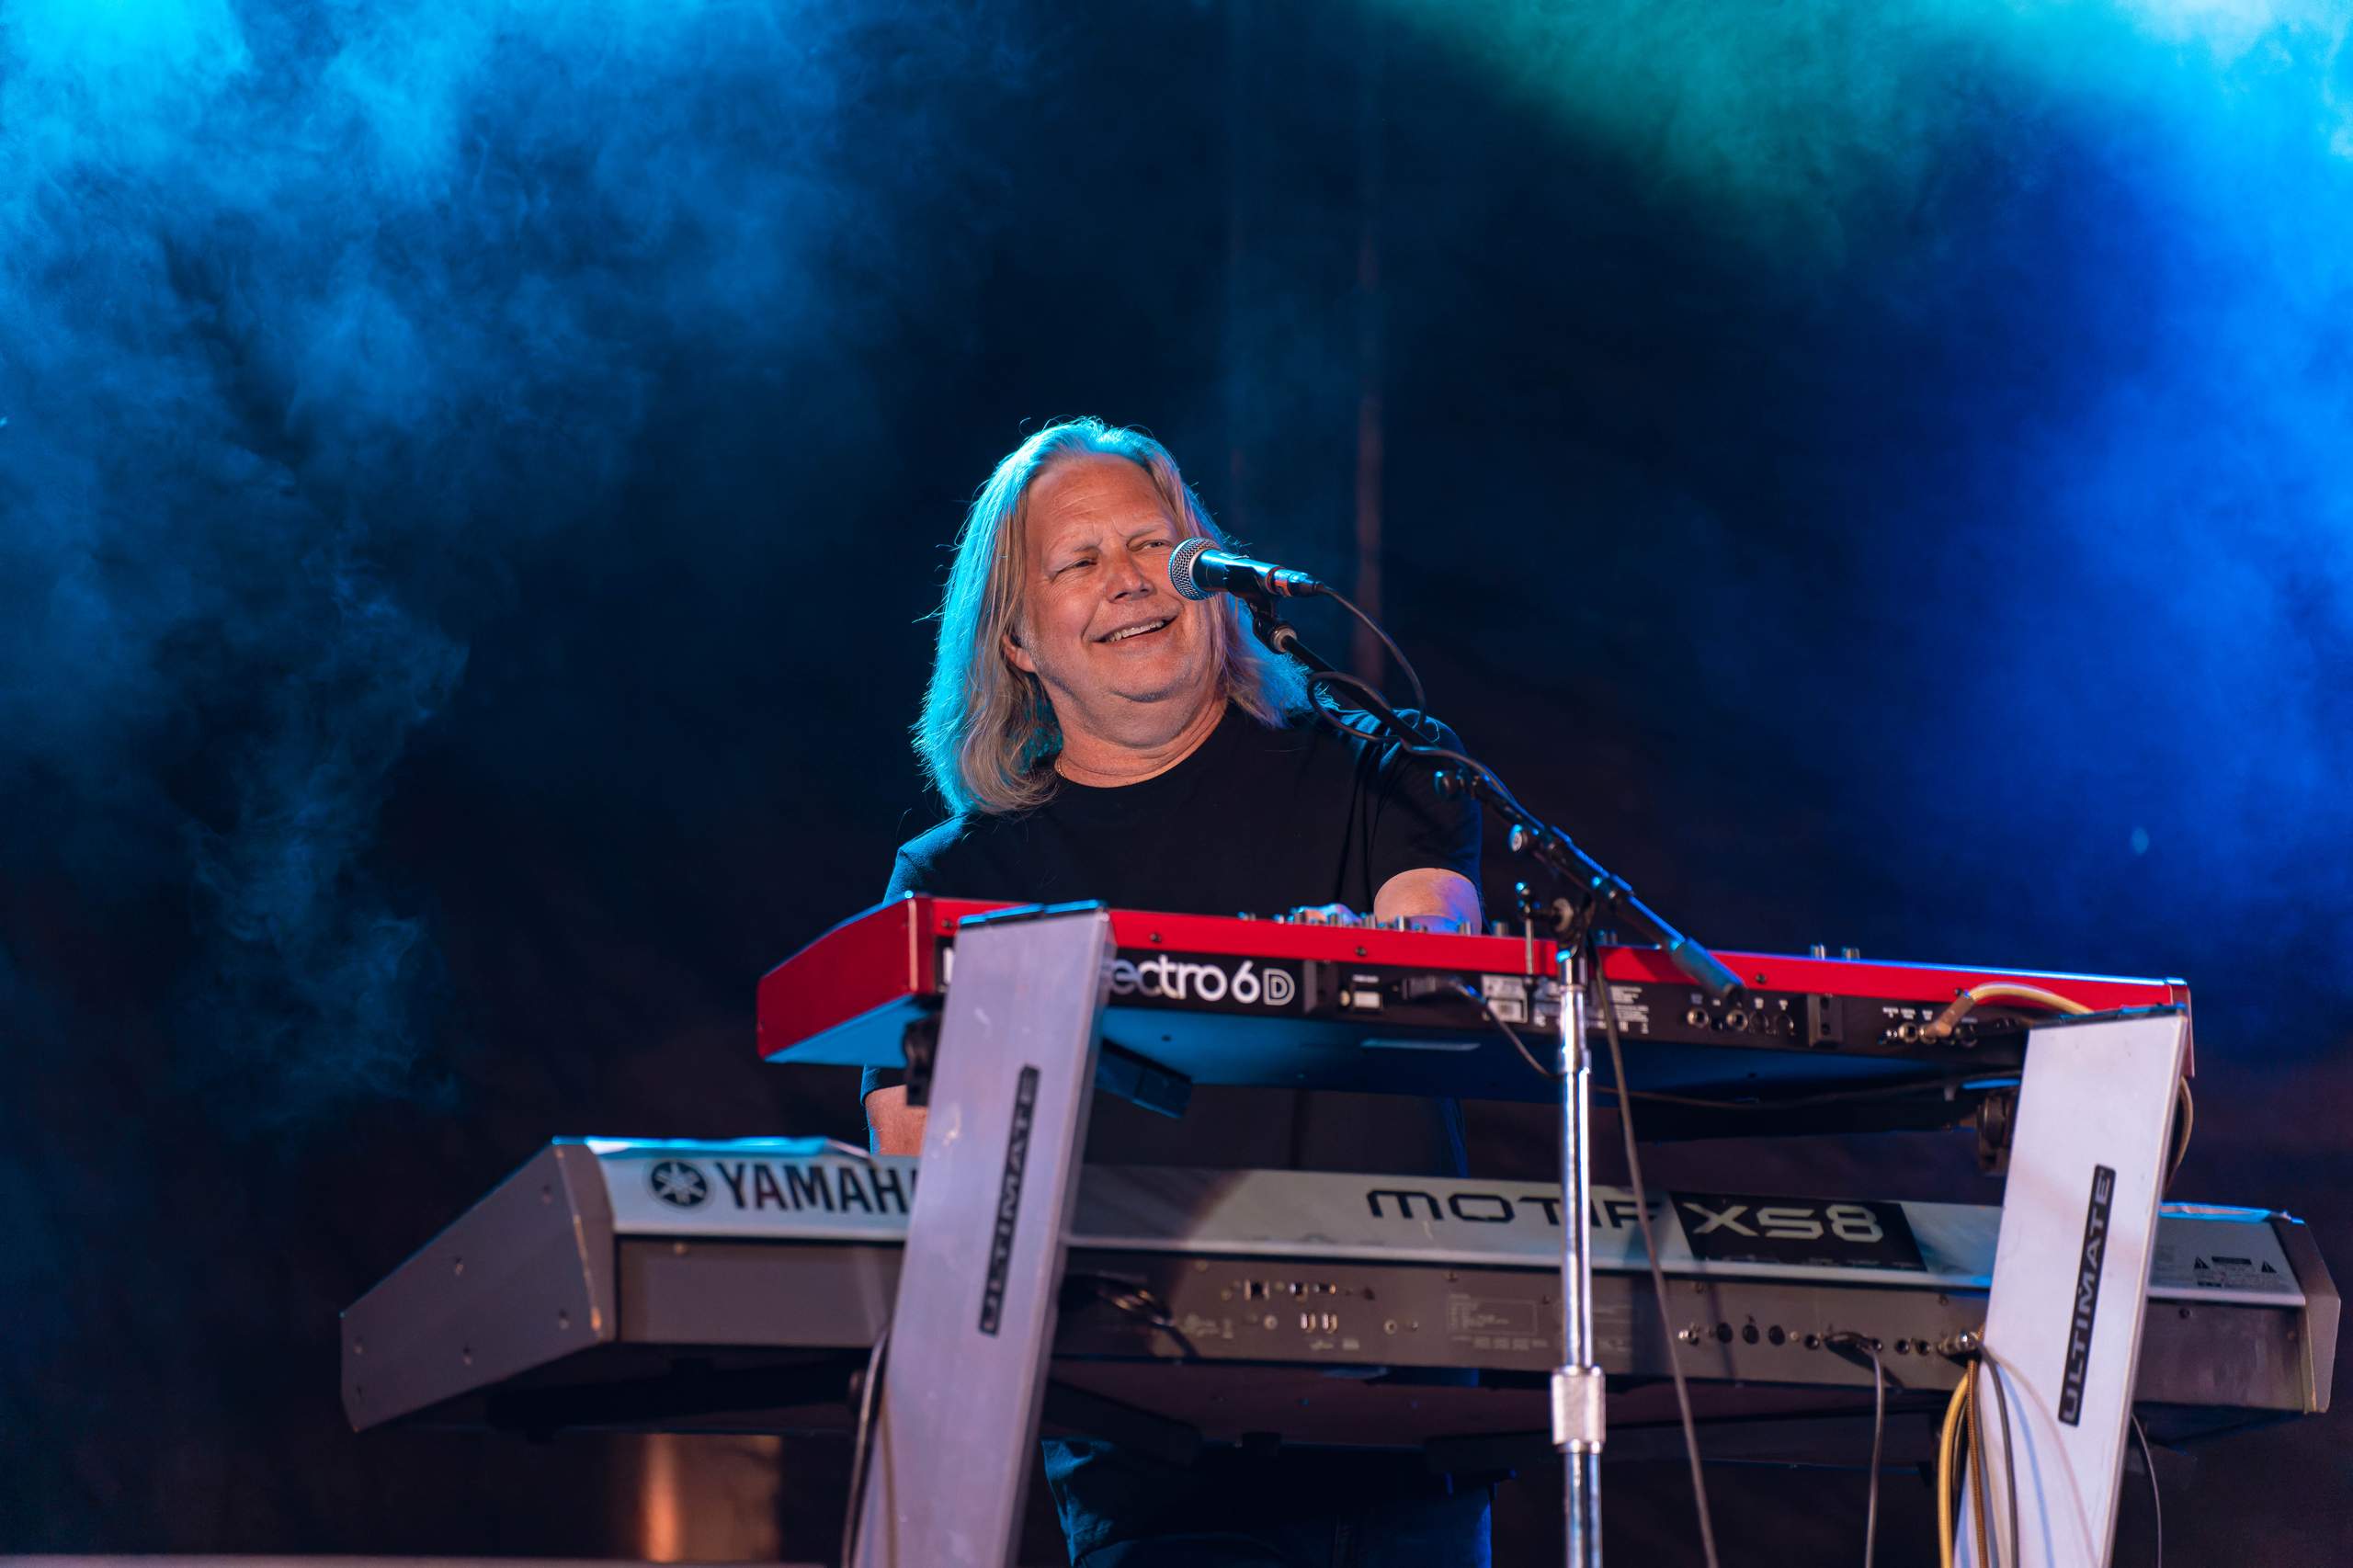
(1197, 569)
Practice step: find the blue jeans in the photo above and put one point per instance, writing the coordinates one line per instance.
(1285, 1509)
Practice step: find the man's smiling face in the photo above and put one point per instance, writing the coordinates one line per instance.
(1099, 625)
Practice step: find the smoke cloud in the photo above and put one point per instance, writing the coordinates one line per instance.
(315, 315)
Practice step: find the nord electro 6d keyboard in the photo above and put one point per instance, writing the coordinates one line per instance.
(1284, 1002)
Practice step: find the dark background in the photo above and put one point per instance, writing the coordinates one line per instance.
(471, 477)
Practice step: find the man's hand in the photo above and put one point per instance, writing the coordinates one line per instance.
(1429, 897)
(896, 1126)
(1426, 900)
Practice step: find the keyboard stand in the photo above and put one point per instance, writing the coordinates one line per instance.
(2071, 1279)
(956, 1424)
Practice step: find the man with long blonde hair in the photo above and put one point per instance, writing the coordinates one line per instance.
(1097, 736)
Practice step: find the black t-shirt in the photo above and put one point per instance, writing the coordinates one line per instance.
(1257, 821)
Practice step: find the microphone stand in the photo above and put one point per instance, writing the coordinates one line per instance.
(1578, 1425)
(1603, 898)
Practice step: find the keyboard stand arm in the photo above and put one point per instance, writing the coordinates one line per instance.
(964, 1381)
(2070, 1291)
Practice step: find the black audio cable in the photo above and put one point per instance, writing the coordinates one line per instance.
(868, 1404)
(1963, 1432)
(2000, 1369)
(1134, 1298)
(1869, 1346)
(2157, 1499)
(1510, 1033)
(1650, 1250)
(1421, 699)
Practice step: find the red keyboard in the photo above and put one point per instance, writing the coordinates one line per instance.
(1284, 1002)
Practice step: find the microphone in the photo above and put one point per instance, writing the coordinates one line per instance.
(1195, 570)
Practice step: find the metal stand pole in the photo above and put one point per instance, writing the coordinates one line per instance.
(1577, 1385)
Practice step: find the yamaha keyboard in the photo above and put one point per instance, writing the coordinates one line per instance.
(1286, 1002)
(738, 1286)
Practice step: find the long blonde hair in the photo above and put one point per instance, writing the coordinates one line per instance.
(988, 728)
